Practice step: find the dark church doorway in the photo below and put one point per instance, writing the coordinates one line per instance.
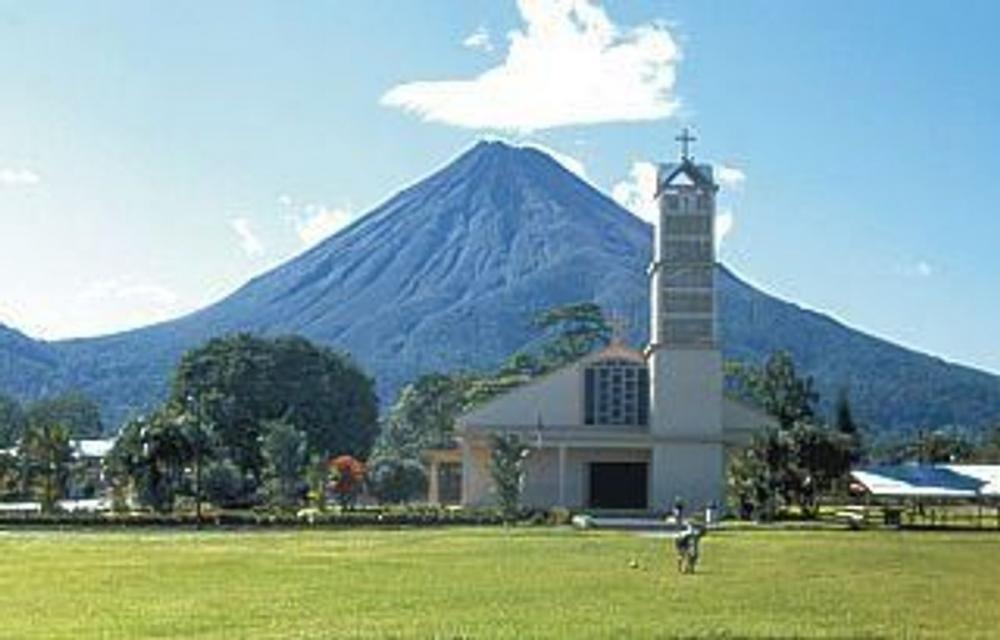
(618, 485)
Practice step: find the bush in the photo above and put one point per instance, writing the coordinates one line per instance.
(395, 480)
(348, 475)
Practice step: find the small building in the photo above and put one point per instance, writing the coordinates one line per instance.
(624, 429)
(87, 480)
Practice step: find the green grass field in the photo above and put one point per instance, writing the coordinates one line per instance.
(495, 583)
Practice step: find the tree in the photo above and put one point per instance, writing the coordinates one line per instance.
(778, 389)
(284, 449)
(756, 475)
(798, 461)
(317, 479)
(507, 455)
(243, 381)
(424, 416)
(938, 447)
(844, 424)
(223, 483)
(76, 412)
(395, 480)
(12, 421)
(822, 458)
(522, 364)
(348, 476)
(46, 450)
(151, 454)
(10, 475)
(579, 328)
(988, 452)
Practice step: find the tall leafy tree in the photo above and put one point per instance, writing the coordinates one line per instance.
(424, 415)
(243, 381)
(75, 411)
(507, 456)
(844, 423)
(285, 458)
(152, 453)
(795, 463)
(575, 329)
(778, 389)
(47, 452)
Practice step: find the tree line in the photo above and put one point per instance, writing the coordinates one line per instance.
(255, 421)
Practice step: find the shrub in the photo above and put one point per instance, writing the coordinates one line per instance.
(396, 480)
(348, 476)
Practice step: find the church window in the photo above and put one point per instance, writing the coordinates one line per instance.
(616, 392)
(703, 203)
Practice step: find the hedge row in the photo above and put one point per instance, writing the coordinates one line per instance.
(364, 518)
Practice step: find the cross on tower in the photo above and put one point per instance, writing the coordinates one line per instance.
(685, 139)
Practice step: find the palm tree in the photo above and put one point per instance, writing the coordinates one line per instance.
(48, 453)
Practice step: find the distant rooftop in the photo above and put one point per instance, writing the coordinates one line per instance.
(931, 481)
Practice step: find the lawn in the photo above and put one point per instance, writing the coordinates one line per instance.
(490, 582)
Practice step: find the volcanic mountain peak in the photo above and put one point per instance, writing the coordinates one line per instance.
(447, 275)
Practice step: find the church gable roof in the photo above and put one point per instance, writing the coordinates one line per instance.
(555, 399)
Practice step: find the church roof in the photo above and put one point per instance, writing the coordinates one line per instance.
(547, 394)
(698, 175)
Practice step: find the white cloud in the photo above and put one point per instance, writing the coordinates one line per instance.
(730, 177)
(319, 223)
(569, 65)
(479, 40)
(724, 222)
(249, 242)
(636, 192)
(19, 178)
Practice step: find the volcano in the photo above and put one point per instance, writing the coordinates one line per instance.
(447, 275)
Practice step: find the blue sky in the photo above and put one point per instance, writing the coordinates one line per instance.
(154, 156)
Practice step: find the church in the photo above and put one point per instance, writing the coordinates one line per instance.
(621, 428)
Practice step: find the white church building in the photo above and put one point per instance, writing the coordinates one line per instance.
(620, 428)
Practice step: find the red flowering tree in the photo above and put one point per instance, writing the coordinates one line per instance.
(347, 475)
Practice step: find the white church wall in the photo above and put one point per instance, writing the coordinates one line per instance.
(693, 472)
(687, 389)
(556, 399)
(541, 486)
(477, 487)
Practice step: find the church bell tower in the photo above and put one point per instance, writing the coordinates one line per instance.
(685, 363)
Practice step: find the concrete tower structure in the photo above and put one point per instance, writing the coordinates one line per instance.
(621, 429)
(685, 363)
